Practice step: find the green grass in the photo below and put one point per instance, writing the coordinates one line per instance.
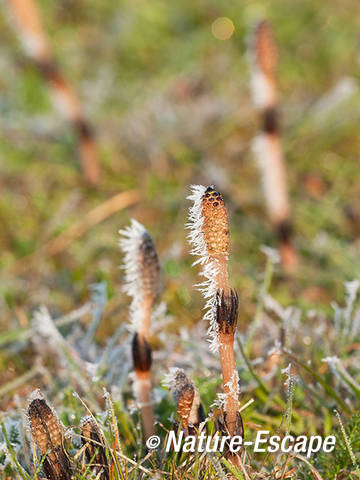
(170, 103)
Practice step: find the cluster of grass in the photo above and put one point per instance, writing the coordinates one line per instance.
(171, 107)
(310, 402)
(140, 101)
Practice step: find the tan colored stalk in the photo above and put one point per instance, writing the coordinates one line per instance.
(267, 146)
(226, 317)
(275, 182)
(47, 434)
(215, 230)
(141, 352)
(142, 277)
(26, 18)
(94, 443)
(150, 284)
(146, 311)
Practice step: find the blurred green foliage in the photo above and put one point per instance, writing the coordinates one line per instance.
(171, 107)
(170, 103)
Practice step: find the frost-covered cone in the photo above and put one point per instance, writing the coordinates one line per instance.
(185, 403)
(186, 396)
(215, 227)
(142, 274)
(142, 277)
(264, 60)
(93, 439)
(47, 433)
(45, 427)
(209, 237)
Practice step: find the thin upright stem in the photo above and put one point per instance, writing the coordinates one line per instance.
(146, 310)
(230, 381)
(222, 277)
(143, 391)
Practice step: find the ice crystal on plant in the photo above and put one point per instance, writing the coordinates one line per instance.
(233, 386)
(271, 253)
(209, 268)
(141, 268)
(45, 327)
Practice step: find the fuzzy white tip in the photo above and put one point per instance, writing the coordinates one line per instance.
(160, 318)
(38, 395)
(86, 419)
(219, 401)
(331, 360)
(169, 379)
(130, 242)
(35, 395)
(209, 269)
(195, 223)
(176, 380)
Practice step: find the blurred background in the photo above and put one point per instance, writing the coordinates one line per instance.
(166, 86)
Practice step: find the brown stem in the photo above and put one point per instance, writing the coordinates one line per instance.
(289, 258)
(30, 29)
(95, 451)
(229, 374)
(67, 102)
(88, 151)
(227, 355)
